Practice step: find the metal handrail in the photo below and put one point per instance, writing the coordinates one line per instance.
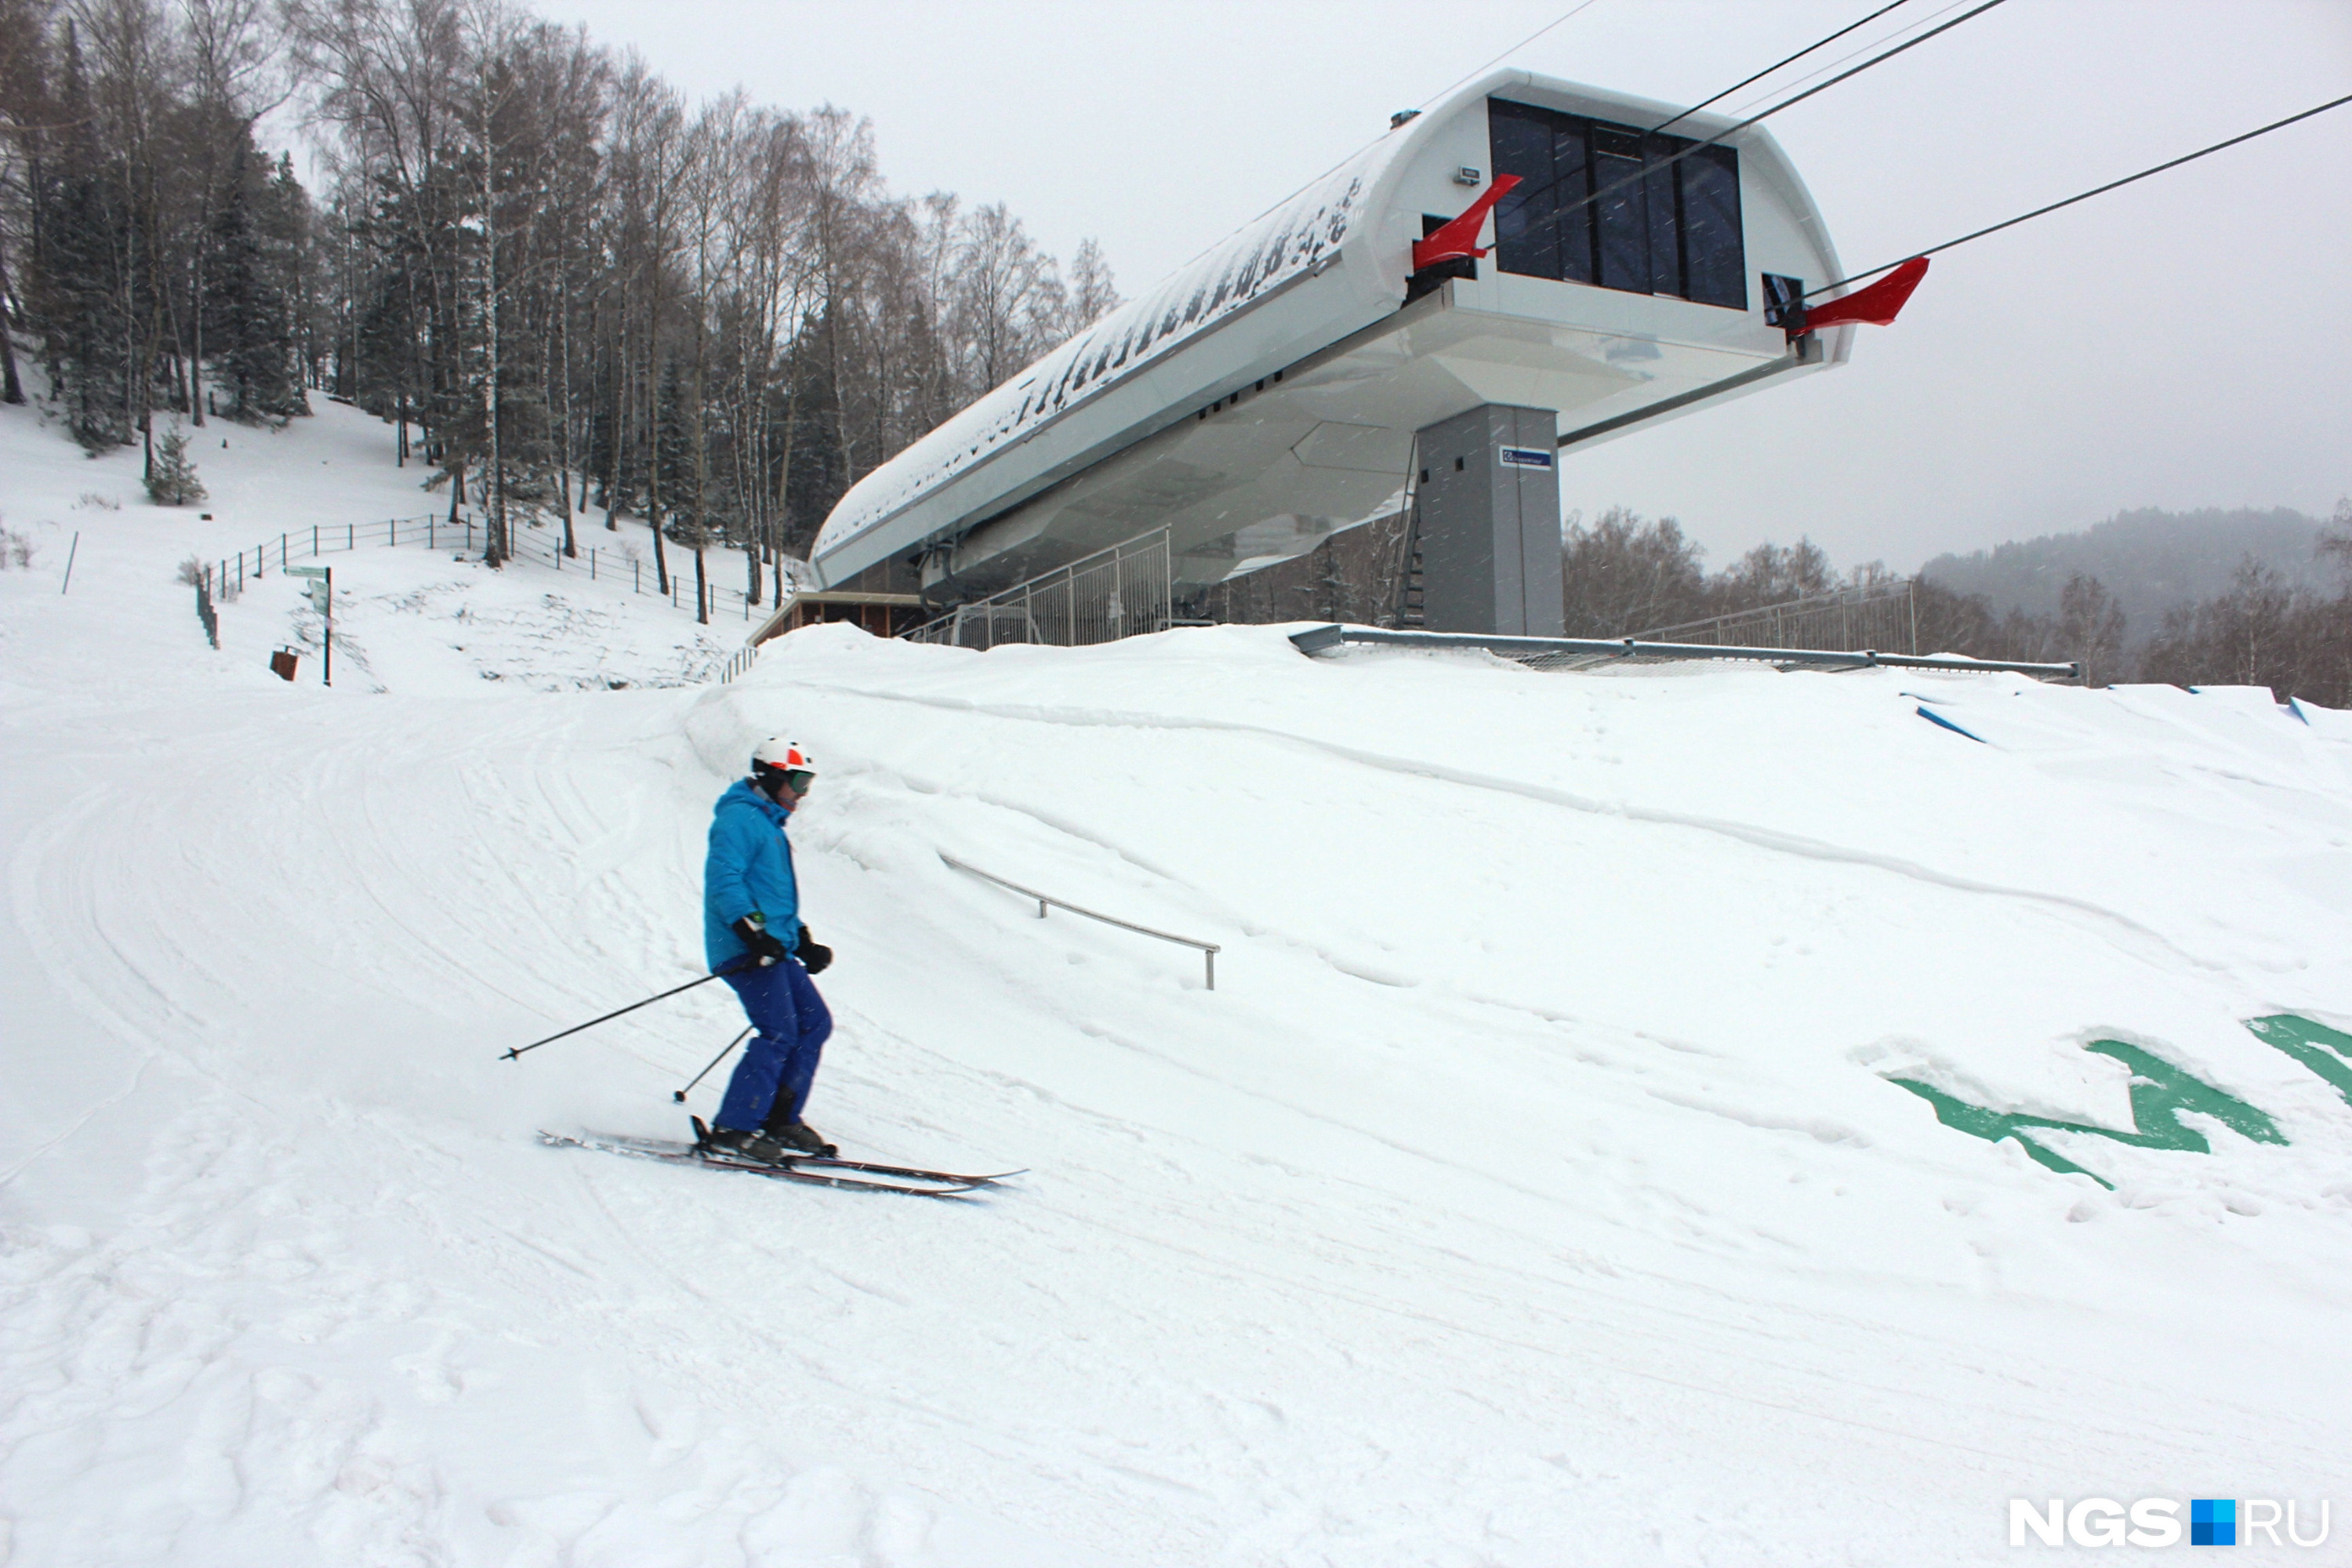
(1021, 600)
(1317, 639)
(1208, 949)
(521, 546)
(1846, 602)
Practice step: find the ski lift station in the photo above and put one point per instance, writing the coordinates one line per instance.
(1527, 269)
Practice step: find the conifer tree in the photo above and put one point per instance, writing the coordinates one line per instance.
(77, 291)
(286, 223)
(816, 465)
(172, 478)
(251, 327)
(674, 451)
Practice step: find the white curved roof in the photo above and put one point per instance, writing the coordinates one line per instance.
(1297, 237)
(1342, 217)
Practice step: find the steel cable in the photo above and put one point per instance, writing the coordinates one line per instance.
(1767, 70)
(1649, 169)
(2084, 196)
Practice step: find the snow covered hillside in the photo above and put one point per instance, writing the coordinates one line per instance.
(1685, 1115)
(409, 617)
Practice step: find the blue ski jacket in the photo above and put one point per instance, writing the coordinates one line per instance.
(748, 871)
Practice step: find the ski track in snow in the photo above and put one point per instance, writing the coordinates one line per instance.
(1530, 1191)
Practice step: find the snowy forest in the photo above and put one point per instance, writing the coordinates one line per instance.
(563, 282)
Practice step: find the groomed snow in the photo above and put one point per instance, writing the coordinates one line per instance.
(1530, 1190)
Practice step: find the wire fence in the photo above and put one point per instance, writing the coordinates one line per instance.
(466, 535)
(1118, 592)
(1884, 618)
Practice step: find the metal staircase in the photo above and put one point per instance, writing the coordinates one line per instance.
(1411, 600)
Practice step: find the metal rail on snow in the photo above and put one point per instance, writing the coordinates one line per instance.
(1208, 949)
(1599, 650)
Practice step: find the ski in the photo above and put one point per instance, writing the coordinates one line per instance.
(911, 1172)
(674, 1154)
(867, 1167)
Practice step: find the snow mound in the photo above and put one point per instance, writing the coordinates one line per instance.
(1621, 1131)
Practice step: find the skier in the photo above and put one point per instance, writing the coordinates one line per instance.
(751, 905)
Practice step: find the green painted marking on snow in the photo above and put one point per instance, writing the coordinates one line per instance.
(2160, 1092)
(2326, 1051)
(1992, 1126)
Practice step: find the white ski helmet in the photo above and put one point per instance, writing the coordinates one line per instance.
(778, 755)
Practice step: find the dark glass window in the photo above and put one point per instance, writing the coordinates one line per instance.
(1532, 235)
(1714, 269)
(1611, 204)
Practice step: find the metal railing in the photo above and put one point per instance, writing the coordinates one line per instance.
(535, 546)
(1585, 653)
(1884, 616)
(1118, 592)
(1208, 949)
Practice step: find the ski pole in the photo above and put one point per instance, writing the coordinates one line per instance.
(678, 1095)
(617, 1012)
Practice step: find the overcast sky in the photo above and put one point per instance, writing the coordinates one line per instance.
(2186, 343)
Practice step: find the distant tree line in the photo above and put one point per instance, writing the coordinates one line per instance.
(563, 282)
(2297, 641)
(1624, 574)
(2150, 560)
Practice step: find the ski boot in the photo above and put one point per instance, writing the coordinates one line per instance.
(798, 1137)
(737, 1143)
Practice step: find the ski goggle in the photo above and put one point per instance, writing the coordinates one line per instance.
(798, 780)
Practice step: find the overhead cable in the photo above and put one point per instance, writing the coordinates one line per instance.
(1792, 59)
(1523, 43)
(1648, 168)
(1571, 12)
(1855, 54)
(2086, 195)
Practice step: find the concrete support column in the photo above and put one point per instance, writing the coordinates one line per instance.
(1489, 496)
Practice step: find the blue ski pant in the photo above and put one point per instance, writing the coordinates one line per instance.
(790, 1024)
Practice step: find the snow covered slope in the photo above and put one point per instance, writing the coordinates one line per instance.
(1535, 1186)
(408, 618)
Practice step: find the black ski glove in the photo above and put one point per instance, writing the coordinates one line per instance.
(764, 948)
(814, 954)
